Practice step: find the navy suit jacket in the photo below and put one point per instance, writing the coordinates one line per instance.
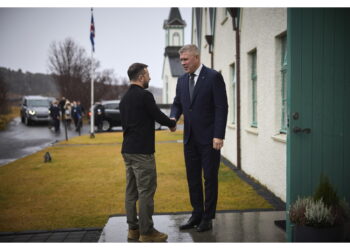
(205, 117)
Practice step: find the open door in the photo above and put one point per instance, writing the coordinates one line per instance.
(318, 101)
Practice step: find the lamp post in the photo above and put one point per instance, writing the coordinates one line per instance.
(234, 13)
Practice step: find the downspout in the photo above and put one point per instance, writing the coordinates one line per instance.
(209, 39)
(234, 12)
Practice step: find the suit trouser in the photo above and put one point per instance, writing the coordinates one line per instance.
(202, 158)
(141, 184)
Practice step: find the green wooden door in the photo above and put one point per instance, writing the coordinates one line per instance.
(318, 100)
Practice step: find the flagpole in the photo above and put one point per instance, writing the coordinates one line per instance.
(92, 118)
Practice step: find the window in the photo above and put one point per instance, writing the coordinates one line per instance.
(111, 106)
(233, 92)
(283, 84)
(253, 79)
(176, 39)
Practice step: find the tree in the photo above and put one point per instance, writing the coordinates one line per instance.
(71, 68)
(3, 96)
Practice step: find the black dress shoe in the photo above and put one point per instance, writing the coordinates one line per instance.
(205, 225)
(191, 223)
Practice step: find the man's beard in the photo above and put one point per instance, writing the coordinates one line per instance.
(145, 85)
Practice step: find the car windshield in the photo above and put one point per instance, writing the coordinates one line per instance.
(38, 103)
(111, 105)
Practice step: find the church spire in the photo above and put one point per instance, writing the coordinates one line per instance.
(174, 19)
(174, 27)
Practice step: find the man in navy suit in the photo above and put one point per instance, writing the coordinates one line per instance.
(201, 98)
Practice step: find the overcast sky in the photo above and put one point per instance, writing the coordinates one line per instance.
(123, 36)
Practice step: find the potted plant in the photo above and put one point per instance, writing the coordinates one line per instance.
(321, 217)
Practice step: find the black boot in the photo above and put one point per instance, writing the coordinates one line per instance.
(191, 223)
(205, 225)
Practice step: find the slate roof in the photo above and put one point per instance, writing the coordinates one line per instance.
(174, 19)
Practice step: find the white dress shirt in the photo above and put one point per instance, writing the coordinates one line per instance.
(197, 73)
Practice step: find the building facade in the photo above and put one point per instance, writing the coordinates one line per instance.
(287, 82)
(263, 77)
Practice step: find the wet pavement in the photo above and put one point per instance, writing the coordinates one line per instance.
(229, 226)
(258, 226)
(19, 140)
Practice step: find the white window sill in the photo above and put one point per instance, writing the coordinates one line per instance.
(231, 126)
(252, 130)
(280, 138)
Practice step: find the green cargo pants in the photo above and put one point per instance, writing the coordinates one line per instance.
(141, 184)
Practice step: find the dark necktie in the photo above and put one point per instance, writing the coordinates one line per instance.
(191, 84)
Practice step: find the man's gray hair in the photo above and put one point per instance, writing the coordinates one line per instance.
(191, 48)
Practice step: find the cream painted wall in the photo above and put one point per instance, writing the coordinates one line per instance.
(224, 57)
(263, 153)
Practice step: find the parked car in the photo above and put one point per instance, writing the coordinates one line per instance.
(112, 116)
(35, 109)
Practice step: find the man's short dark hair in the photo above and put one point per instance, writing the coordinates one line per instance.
(135, 70)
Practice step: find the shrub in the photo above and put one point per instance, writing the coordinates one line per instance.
(326, 192)
(324, 209)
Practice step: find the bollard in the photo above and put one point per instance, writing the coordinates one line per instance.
(47, 157)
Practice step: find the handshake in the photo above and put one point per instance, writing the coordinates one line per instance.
(218, 143)
(173, 129)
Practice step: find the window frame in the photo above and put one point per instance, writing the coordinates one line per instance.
(254, 91)
(283, 81)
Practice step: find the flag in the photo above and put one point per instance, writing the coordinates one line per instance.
(92, 32)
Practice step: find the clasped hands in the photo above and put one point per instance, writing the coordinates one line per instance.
(217, 142)
(173, 129)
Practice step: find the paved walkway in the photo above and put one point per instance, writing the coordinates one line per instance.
(227, 227)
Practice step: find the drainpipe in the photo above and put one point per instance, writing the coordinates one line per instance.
(234, 12)
(209, 39)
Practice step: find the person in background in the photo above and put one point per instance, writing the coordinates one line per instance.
(68, 113)
(77, 115)
(61, 105)
(81, 108)
(99, 112)
(55, 115)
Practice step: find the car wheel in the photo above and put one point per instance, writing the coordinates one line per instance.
(106, 126)
(22, 119)
(26, 121)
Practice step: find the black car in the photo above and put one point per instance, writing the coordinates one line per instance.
(112, 116)
(35, 109)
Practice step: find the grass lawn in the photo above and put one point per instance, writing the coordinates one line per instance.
(85, 184)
